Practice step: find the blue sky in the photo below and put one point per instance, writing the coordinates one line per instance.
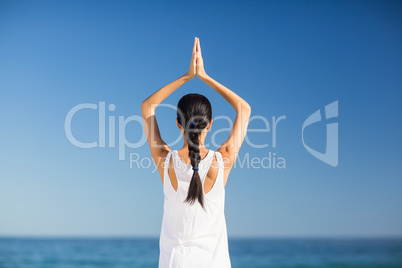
(285, 58)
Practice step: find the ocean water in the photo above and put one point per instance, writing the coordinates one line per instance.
(247, 253)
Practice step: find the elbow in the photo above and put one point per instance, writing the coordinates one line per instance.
(243, 107)
(246, 108)
(147, 108)
(144, 106)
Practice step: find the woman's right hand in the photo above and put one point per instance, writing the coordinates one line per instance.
(200, 63)
(193, 69)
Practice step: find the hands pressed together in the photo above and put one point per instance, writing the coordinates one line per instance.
(197, 64)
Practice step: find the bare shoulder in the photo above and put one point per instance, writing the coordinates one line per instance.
(160, 159)
(228, 157)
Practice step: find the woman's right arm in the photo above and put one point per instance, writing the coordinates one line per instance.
(231, 147)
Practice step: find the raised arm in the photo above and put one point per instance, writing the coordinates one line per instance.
(159, 149)
(230, 148)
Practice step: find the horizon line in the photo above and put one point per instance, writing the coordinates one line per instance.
(254, 237)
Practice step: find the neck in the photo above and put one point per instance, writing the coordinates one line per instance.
(200, 146)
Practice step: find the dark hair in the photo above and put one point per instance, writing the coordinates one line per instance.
(196, 108)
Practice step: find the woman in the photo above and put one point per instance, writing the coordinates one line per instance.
(193, 230)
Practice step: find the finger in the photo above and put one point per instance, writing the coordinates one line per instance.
(194, 57)
(198, 45)
(195, 45)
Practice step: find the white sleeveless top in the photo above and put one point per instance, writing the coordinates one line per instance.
(191, 237)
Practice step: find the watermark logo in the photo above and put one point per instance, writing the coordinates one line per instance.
(112, 127)
(331, 152)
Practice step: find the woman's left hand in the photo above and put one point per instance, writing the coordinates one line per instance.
(193, 65)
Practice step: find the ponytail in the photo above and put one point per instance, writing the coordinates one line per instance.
(194, 112)
(195, 188)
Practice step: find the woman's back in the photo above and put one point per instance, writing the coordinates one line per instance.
(192, 236)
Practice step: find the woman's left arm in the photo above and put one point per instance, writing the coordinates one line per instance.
(159, 148)
(157, 145)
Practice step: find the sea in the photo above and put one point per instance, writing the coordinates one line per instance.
(244, 252)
